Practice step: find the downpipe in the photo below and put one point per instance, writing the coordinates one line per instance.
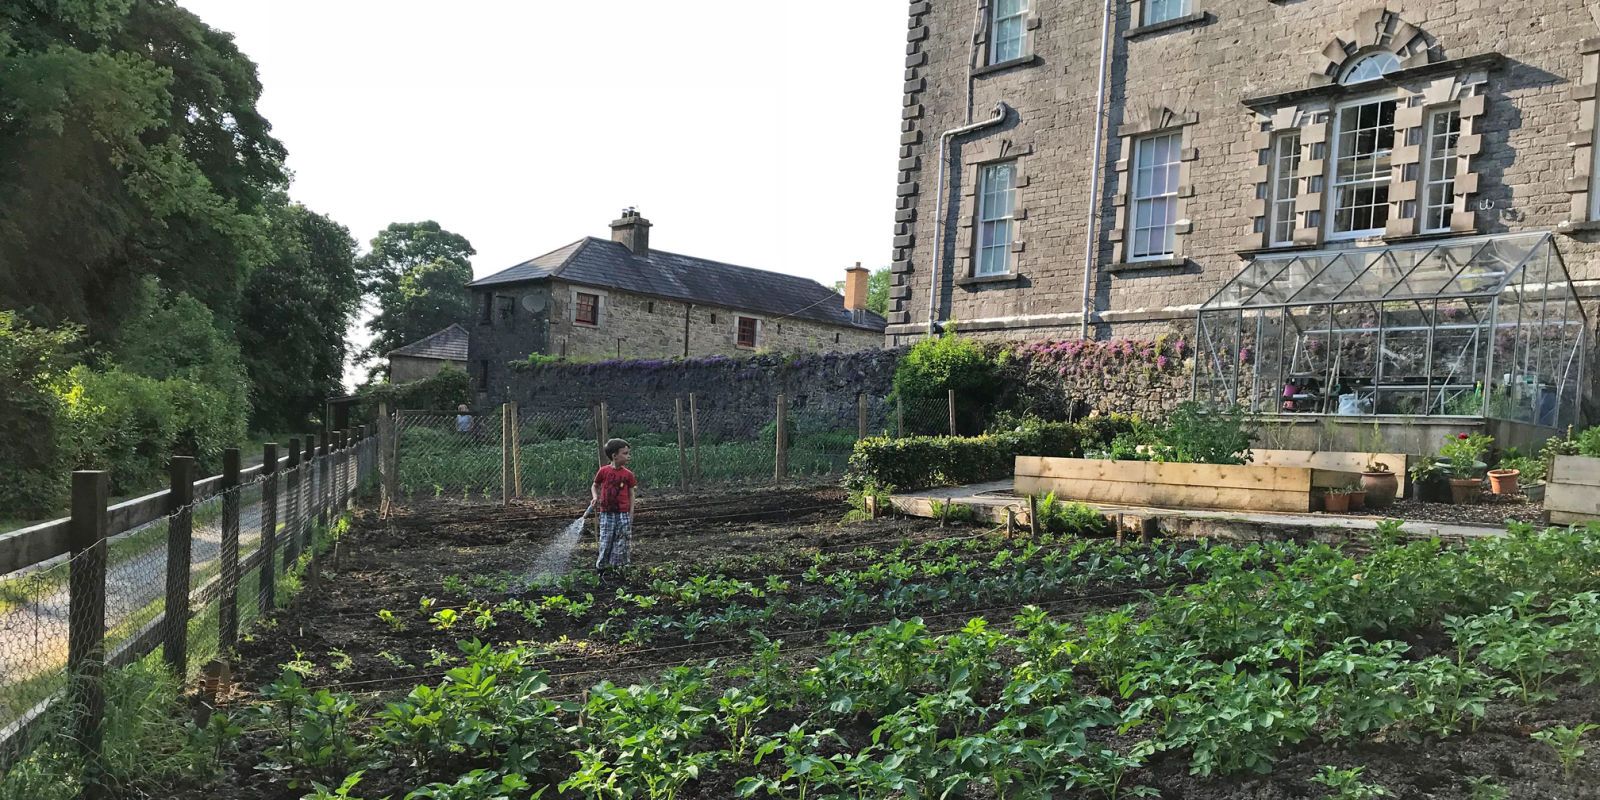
(1091, 240)
(1001, 112)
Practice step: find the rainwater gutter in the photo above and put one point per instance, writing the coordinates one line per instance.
(1001, 111)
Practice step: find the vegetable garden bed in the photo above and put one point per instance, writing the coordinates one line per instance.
(762, 649)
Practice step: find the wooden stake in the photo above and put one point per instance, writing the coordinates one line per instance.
(507, 472)
(1033, 516)
(180, 527)
(683, 453)
(86, 625)
(516, 450)
(780, 462)
(899, 418)
(694, 433)
(951, 401)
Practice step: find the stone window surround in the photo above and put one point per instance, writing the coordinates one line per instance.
(978, 156)
(1582, 186)
(1156, 120)
(738, 323)
(602, 299)
(1315, 122)
(981, 65)
(1138, 29)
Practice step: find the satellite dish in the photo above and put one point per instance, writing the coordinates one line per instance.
(534, 303)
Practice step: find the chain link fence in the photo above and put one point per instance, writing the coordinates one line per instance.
(446, 455)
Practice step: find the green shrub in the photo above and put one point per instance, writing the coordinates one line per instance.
(33, 369)
(934, 367)
(1070, 517)
(919, 462)
(1589, 442)
(441, 391)
(1196, 433)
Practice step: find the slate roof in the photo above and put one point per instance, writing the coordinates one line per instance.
(449, 344)
(611, 265)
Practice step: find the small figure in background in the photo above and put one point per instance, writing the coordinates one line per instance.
(463, 419)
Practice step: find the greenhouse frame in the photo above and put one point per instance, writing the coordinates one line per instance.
(1486, 327)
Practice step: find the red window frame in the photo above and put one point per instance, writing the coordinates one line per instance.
(588, 309)
(753, 327)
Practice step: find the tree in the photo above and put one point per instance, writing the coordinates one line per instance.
(418, 273)
(294, 322)
(130, 145)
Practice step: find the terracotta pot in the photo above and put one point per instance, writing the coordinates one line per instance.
(1503, 481)
(1336, 503)
(1381, 488)
(1358, 501)
(1465, 491)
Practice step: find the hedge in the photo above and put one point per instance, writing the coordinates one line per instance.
(920, 462)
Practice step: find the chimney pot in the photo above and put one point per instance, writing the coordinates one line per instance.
(633, 231)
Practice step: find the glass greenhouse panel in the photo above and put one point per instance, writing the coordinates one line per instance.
(1468, 327)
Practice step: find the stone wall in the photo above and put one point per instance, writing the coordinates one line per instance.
(735, 397)
(1525, 144)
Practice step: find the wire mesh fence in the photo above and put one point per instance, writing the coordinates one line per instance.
(449, 455)
(77, 626)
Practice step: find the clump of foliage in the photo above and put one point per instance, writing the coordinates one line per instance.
(1567, 742)
(441, 391)
(1199, 434)
(34, 363)
(1464, 452)
(1346, 784)
(934, 367)
(1077, 519)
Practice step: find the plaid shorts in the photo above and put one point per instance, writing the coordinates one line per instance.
(616, 539)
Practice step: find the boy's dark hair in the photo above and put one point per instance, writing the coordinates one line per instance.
(613, 446)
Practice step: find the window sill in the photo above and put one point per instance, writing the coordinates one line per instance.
(1424, 237)
(579, 324)
(1188, 20)
(1579, 226)
(1277, 248)
(1147, 266)
(1003, 66)
(988, 280)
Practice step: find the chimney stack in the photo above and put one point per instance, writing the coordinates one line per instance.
(855, 291)
(633, 231)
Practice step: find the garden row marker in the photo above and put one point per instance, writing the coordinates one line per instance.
(861, 415)
(683, 455)
(951, 401)
(175, 642)
(228, 603)
(266, 594)
(1033, 516)
(694, 432)
(780, 464)
(86, 629)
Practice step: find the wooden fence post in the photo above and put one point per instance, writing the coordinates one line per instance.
(507, 472)
(86, 626)
(323, 448)
(228, 603)
(345, 489)
(780, 463)
(516, 449)
(861, 415)
(694, 432)
(599, 434)
(291, 508)
(180, 544)
(1033, 516)
(951, 399)
(683, 453)
(385, 467)
(308, 483)
(605, 431)
(266, 589)
(899, 418)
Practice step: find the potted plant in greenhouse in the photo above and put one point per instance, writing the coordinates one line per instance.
(1336, 501)
(1503, 480)
(1358, 498)
(1463, 452)
(1381, 485)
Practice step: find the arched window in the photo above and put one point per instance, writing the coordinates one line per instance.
(1370, 67)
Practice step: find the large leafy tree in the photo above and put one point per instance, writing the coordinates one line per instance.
(298, 308)
(417, 272)
(130, 145)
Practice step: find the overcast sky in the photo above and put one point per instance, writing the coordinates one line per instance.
(760, 133)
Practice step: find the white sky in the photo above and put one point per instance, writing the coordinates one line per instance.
(755, 132)
(751, 131)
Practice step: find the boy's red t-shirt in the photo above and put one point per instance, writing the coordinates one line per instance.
(616, 489)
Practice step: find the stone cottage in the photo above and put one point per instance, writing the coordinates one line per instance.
(1068, 171)
(619, 298)
(425, 357)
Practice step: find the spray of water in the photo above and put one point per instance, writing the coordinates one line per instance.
(556, 557)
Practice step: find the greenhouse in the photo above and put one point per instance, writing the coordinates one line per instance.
(1483, 327)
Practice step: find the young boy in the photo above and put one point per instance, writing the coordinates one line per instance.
(613, 494)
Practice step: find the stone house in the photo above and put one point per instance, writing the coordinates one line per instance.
(425, 357)
(619, 298)
(1066, 173)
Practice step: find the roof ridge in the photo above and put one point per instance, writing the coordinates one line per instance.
(491, 276)
(742, 266)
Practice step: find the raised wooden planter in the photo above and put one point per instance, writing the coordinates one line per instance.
(1572, 495)
(1142, 483)
(1334, 468)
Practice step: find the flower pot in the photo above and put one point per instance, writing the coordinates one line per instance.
(1381, 489)
(1358, 501)
(1465, 491)
(1336, 503)
(1503, 481)
(1432, 490)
